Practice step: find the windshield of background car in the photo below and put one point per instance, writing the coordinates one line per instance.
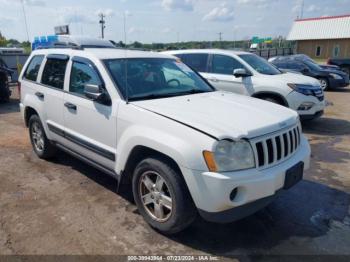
(260, 64)
(151, 78)
(312, 65)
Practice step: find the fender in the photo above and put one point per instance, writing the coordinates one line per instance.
(180, 150)
(270, 93)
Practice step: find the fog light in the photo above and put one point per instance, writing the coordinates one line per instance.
(233, 194)
(306, 106)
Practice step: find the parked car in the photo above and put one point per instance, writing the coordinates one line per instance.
(344, 63)
(5, 78)
(248, 74)
(329, 78)
(304, 57)
(162, 132)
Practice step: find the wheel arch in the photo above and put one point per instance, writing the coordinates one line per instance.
(28, 112)
(137, 154)
(264, 94)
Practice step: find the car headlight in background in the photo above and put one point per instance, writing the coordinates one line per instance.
(307, 90)
(336, 76)
(230, 156)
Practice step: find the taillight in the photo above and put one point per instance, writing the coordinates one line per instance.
(19, 89)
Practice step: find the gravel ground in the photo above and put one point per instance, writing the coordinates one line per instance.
(65, 207)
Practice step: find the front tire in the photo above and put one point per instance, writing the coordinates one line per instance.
(42, 146)
(324, 83)
(162, 197)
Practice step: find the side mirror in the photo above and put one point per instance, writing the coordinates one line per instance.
(241, 72)
(93, 92)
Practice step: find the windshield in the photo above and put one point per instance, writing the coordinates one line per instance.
(151, 78)
(312, 65)
(260, 64)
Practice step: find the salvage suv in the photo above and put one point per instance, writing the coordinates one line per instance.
(180, 146)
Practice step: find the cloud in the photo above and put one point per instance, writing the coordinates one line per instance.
(184, 5)
(35, 2)
(220, 14)
(166, 30)
(313, 8)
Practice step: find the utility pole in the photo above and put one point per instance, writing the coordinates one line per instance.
(220, 38)
(102, 22)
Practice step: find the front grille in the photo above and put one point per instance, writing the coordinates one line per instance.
(270, 150)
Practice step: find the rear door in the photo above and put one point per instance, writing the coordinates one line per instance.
(51, 94)
(90, 126)
(221, 76)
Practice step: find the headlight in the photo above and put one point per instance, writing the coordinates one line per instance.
(307, 90)
(230, 156)
(336, 76)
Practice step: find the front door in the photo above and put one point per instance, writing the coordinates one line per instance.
(90, 125)
(221, 74)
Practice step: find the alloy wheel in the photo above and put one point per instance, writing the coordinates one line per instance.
(38, 137)
(155, 196)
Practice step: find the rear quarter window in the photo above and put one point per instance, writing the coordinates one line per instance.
(198, 62)
(33, 67)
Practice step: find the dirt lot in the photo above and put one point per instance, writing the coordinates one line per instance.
(66, 207)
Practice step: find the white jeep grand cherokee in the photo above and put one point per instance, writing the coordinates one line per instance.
(163, 132)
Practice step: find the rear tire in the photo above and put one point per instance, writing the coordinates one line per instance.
(161, 196)
(42, 146)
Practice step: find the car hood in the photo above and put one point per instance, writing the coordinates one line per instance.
(292, 78)
(222, 114)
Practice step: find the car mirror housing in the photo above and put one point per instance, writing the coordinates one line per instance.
(93, 92)
(241, 72)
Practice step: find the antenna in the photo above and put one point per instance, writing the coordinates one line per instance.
(302, 9)
(25, 20)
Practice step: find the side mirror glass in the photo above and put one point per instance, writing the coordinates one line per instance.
(93, 92)
(241, 72)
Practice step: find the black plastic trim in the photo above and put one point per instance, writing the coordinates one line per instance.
(237, 213)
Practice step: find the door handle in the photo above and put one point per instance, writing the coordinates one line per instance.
(70, 106)
(40, 95)
(214, 79)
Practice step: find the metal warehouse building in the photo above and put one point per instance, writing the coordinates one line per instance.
(322, 37)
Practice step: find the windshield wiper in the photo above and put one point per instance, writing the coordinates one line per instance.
(148, 97)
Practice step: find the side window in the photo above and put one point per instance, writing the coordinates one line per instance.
(225, 65)
(54, 72)
(81, 75)
(198, 62)
(32, 70)
(318, 50)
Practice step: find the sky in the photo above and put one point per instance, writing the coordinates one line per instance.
(155, 21)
